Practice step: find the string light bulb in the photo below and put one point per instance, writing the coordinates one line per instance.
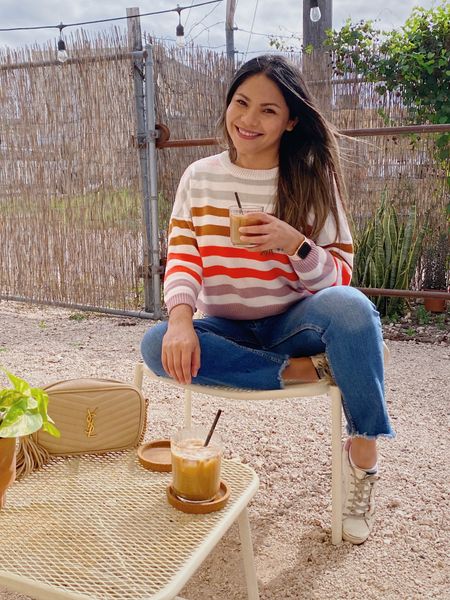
(180, 29)
(61, 55)
(314, 11)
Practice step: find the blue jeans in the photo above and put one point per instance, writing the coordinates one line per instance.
(252, 354)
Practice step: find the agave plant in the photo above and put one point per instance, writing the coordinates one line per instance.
(387, 252)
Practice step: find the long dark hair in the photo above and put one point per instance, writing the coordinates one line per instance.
(310, 175)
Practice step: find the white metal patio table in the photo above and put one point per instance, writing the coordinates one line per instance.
(100, 527)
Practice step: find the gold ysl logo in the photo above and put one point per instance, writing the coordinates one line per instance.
(90, 425)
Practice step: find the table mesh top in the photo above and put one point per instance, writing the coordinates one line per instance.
(102, 526)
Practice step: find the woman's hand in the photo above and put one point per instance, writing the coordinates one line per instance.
(271, 234)
(180, 353)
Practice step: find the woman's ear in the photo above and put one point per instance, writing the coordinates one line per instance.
(291, 124)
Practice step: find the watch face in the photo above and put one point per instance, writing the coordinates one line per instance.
(304, 250)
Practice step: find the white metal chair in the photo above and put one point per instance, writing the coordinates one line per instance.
(300, 390)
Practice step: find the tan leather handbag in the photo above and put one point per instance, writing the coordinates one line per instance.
(94, 416)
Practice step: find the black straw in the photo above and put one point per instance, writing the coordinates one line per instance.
(238, 201)
(213, 426)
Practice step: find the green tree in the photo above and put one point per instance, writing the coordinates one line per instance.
(413, 62)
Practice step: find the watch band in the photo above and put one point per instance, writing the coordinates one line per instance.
(303, 250)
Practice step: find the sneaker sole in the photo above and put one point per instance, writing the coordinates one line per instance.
(353, 540)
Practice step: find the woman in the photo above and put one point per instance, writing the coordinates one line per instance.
(271, 306)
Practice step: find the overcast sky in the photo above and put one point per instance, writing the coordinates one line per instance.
(204, 24)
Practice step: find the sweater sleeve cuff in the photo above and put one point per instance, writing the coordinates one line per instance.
(180, 299)
(304, 265)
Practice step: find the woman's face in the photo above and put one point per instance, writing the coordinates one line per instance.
(256, 118)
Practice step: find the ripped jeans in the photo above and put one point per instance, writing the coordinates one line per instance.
(252, 354)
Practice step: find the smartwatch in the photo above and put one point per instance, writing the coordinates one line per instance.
(303, 250)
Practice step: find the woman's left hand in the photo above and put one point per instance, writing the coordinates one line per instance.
(271, 234)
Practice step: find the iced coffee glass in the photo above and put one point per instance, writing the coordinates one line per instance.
(242, 218)
(195, 468)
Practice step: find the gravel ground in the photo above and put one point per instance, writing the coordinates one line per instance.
(287, 443)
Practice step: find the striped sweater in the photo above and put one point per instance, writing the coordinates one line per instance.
(206, 272)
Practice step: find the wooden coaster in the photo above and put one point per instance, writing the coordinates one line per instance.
(200, 508)
(155, 455)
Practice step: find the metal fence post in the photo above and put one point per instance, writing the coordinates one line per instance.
(152, 170)
(135, 42)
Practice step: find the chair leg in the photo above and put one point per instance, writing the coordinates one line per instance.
(187, 408)
(336, 465)
(247, 555)
(138, 375)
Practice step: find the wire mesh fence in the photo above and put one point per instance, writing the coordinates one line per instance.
(71, 222)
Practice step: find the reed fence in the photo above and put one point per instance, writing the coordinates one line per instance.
(70, 200)
(71, 225)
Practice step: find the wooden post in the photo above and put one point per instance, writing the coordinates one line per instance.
(316, 64)
(229, 30)
(314, 32)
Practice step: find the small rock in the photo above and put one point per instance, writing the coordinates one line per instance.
(394, 503)
(273, 448)
(426, 522)
(56, 359)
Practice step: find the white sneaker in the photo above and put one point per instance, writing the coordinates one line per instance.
(322, 367)
(358, 500)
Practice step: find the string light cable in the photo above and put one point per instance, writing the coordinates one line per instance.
(272, 51)
(268, 35)
(251, 27)
(188, 15)
(171, 39)
(271, 36)
(64, 25)
(201, 21)
(206, 28)
(62, 55)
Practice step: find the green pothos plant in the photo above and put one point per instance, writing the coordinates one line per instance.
(23, 410)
